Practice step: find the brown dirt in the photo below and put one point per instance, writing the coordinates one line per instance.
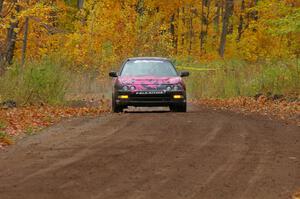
(200, 154)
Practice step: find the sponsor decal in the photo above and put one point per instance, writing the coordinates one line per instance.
(148, 61)
(150, 92)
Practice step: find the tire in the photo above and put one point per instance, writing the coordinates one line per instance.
(179, 108)
(116, 108)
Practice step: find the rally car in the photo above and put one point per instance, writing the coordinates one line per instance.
(148, 82)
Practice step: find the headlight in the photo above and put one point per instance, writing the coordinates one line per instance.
(132, 88)
(128, 88)
(125, 88)
(169, 88)
(177, 87)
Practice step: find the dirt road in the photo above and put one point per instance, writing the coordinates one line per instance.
(203, 154)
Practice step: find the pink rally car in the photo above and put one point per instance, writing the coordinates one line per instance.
(149, 82)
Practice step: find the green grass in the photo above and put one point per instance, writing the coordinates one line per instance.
(2, 125)
(39, 82)
(48, 80)
(30, 131)
(225, 79)
(3, 134)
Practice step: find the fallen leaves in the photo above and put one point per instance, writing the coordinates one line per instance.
(5, 138)
(279, 109)
(296, 195)
(28, 120)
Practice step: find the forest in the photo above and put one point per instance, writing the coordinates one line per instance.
(225, 125)
(244, 47)
(243, 55)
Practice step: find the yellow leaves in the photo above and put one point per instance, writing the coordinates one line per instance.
(164, 27)
(16, 30)
(38, 10)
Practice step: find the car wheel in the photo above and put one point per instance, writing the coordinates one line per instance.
(116, 108)
(179, 108)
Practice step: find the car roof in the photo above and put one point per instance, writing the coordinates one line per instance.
(148, 58)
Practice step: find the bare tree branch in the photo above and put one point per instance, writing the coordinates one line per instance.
(51, 30)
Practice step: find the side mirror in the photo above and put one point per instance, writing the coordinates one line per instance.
(113, 74)
(184, 74)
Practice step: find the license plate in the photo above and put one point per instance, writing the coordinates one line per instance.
(150, 92)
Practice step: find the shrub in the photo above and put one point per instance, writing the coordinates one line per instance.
(41, 82)
(238, 78)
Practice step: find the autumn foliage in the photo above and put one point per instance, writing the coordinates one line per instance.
(211, 36)
(28, 120)
(274, 109)
(101, 33)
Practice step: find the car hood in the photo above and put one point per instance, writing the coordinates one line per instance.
(149, 82)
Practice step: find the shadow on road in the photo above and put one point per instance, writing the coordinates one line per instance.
(147, 110)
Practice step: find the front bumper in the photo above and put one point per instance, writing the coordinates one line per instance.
(150, 100)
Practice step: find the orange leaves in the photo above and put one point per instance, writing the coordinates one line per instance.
(105, 32)
(5, 140)
(296, 195)
(14, 122)
(283, 109)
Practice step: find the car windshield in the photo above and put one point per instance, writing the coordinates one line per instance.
(158, 68)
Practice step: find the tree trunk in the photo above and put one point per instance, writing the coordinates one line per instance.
(207, 17)
(172, 31)
(254, 14)
(25, 39)
(222, 8)
(1, 6)
(183, 34)
(202, 26)
(217, 16)
(1, 44)
(241, 23)
(191, 34)
(204, 22)
(139, 8)
(80, 4)
(12, 37)
(225, 26)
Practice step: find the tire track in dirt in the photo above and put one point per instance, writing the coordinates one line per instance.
(200, 154)
(77, 156)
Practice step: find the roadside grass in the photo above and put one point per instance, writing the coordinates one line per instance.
(30, 130)
(39, 82)
(2, 125)
(65, 93)
(41, 94)
(52, 81)
(227, 79)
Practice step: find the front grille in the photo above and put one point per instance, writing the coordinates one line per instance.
(158, 97)
(150, 99)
